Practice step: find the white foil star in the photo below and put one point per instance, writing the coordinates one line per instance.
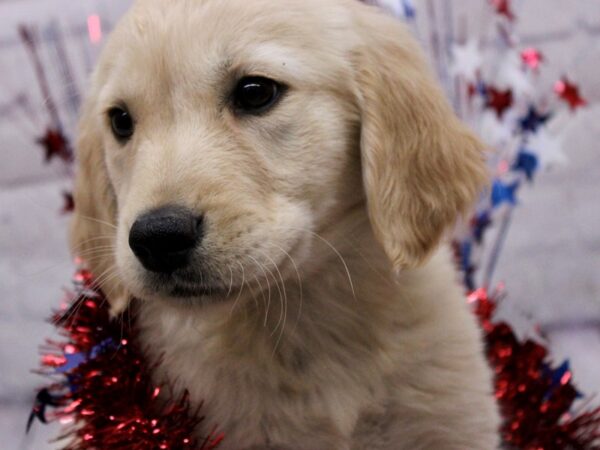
(512, 75)
(548, 148)
(466, 60)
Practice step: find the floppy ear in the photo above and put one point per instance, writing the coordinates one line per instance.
(93, 227)
(421, 166)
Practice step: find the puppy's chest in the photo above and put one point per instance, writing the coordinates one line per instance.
(258, 396)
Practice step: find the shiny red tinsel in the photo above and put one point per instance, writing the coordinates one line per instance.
(106, 394)
(535, 399)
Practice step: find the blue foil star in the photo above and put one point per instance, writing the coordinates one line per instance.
(481, 223)
(533, 120)
(465, 251)
(409, 9)
(559, 376)
(504, 193)
(526, 162)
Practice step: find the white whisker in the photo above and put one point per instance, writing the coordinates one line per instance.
(240, 290)
(262, 267)
(339, 255)
(283, 301)
(230, 281)
(299, 282)
(93, 219)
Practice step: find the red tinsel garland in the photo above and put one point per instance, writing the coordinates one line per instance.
(105, 390)
(535, 399)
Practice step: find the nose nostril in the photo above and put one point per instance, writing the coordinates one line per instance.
(163, 239)
(199, 225)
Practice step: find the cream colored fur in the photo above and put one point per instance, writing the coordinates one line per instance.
(338, 322)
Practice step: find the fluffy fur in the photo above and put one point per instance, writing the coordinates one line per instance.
(336, 320)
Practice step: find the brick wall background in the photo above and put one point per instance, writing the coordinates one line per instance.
(552, 257)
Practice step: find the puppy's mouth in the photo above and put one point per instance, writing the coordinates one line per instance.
(184, 287)
(179, 290)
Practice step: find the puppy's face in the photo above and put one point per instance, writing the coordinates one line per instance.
(227, 140)
(220, 136)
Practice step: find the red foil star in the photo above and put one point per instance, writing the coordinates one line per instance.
(532, 57)
(55, 144)
(503, 8)
(569, 92)
(471, 90)
(68, 202)
(499, 100)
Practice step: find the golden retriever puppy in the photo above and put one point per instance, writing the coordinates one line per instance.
(274, 179)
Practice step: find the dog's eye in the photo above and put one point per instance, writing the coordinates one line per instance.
(121, 123)
(256, 94)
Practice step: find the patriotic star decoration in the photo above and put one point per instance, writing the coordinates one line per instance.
(55, 145)
(532, 58)
(409, 9)
(480, 223)
(464, 252)
(526, 162)
(68, 202)
(561, 376)
(499, 100)
(533, 120)
(403, 8)
(547, 148)
(503, 8)
(466, 61)
(569, 92)
(504, 193)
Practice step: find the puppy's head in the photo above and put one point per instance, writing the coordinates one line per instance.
(218, 137)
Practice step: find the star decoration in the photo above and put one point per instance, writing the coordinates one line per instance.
(409, 9)
(56, 145)
(471, 90)
(533, 120)
(503, 8)
(68, 202)
(532, 57)
(561, 375)
(547, 148)
(463, 254)
(569, 92)
(504, 193)
(480, 223)
(499, 100)
(401, 8)
(466, 61)
(527, 163)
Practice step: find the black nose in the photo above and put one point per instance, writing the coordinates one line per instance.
(163, 239)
